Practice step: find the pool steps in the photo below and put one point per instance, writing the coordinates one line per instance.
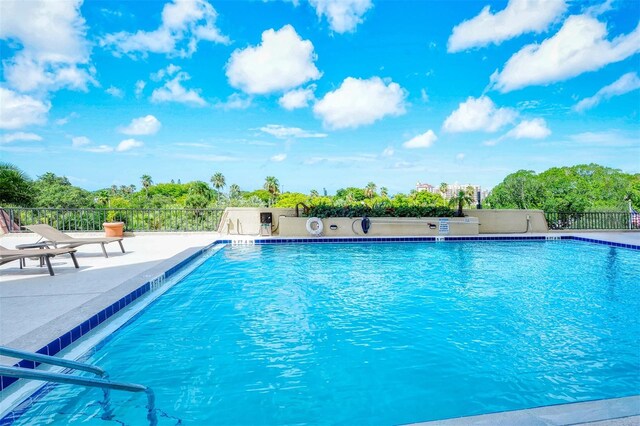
(102, 382)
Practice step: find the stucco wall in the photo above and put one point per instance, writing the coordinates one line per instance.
(509, 221)
(246, 221)
(380, 226)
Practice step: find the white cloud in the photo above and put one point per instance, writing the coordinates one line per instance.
(343, 15)
(17, 111)
(169, 71)
(280, 62)
(284, 132)
(184, 24)
(174, 91)
(424, 140)
(139, 88)
(115, 92)
(147, 125)
(235, 101)
(519, 17)
(80, 141)
(527, 129)
(388, 152)
(99, 149)
(460, 156)
(128, 144)
(20, 136)
(64, 120)
(478, 114)
(298, 98)
(278, 158)
(610, 138)
(625, 84)
(530, 129)
(358, 102)
(345, 160)
(54, 52)
(424, 96)
(579, 46)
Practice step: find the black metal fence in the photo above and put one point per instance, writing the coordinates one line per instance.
(161, 220)
(593, 220)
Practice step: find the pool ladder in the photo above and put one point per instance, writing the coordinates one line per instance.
(102, 382)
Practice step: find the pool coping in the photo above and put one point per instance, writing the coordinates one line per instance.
(156, 275)
(574, 413)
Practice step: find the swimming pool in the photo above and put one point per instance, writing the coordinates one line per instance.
(374, 334)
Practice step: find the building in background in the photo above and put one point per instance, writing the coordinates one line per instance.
(453, 189)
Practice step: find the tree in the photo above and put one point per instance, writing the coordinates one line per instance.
(272, 185)
(370, 190)
(462, 198)
(218, 181)
(200, 188)
(291, 199)
(146, 182)
(234, 191)
(384, 192)
(350, 194)
(15, 186)
(425, 198)
(56, 191)
(519, 190)
(314, 193)
(444, 187)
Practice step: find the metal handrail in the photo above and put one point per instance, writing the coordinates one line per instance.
(103, 382)
(52, 360)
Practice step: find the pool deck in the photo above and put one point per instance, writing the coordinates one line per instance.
(36, 308)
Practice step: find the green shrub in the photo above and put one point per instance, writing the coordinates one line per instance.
(355, 210)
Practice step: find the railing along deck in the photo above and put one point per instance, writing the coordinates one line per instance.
(91, 219)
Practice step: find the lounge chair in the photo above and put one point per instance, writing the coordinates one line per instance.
(55, 237)
(7, 255)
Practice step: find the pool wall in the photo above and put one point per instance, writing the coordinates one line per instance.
(82, 329)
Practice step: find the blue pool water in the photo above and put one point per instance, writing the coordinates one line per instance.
(374, 334)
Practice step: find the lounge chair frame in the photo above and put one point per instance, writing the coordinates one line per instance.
(56, 238)
(45, 255)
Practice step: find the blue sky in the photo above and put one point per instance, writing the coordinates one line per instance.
(319, 93)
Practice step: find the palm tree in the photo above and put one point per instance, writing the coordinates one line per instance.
(114, 190)
(314, 193)
(461, 199)
(370, 190)
(234, 191)
(272, 185)
(218, 181)
(384, 192)
(146, 182)
(443, 189)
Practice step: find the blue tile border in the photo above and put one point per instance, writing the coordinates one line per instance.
(94, 321)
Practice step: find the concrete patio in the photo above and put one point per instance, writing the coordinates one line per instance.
(36, 307)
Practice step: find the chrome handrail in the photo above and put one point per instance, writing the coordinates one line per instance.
(103, 382)
(52, 360)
